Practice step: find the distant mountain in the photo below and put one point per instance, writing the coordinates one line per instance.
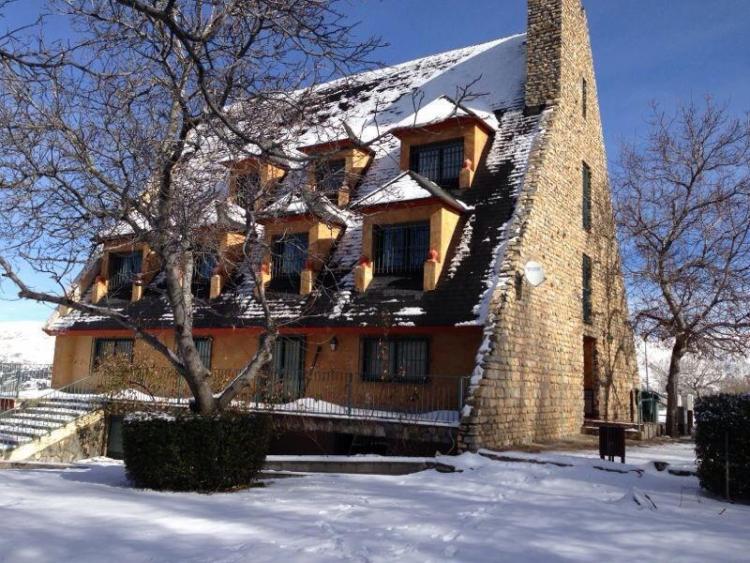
(25, 342)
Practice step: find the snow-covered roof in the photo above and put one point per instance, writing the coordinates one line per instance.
(373, 104)
(408, 186)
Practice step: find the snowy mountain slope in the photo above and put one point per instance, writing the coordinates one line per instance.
(25, 342)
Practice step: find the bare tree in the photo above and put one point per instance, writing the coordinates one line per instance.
(684, 213)
(699, 375)
(126, 130)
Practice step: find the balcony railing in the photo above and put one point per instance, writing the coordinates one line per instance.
(435, 399)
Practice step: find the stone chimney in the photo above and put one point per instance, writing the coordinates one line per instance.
(551, 28)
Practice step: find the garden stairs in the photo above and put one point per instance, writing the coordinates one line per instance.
(34, 425)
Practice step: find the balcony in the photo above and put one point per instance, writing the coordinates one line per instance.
(434, 399)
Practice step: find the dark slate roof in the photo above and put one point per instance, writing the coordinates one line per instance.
(469, 275)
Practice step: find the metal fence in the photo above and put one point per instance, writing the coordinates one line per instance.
(17, 379)
(429, 399)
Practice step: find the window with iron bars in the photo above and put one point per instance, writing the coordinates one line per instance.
(401, 249)
(204, 346)
(395, 359)
(203, 269)
(110, 347)
(586, 296)
(330, 175)
(440, 162)
(247, 187)
(289, 254)
(122, 271)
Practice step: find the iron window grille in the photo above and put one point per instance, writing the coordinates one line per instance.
(586, 204)
(203, 269)
(395, 359)
(247, 188)
(586, 297)
(204, 346)
(401, 249)
(289, 363)
(440, 162)
(289, 254)
(330, 175)
(123, 268)
(110, 347)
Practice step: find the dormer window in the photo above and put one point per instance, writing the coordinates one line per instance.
(123, 269)
(247, 187)
(440, 162)
(337, 168)
(288, 257)
(400, 250)
(330, 176)
(203, 269)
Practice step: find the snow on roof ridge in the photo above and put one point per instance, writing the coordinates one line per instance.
(471, 51)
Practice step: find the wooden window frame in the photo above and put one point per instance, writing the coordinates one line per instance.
(326, 177)
(95, 356)
(390, 376)
(409, 248)
(124, 289)
(443, 182)
(286, 282)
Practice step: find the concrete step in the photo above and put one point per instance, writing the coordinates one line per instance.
(56, 411)
(13, 440)
(68, 404)
(44, 417)
(35, 422)
(20, 430)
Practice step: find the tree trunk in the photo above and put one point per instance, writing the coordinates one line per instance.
(673, 380)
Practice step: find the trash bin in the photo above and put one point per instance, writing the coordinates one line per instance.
(612, 442)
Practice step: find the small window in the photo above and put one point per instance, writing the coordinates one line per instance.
(584, 97)
(122, 271)
(586, 296)
(247, 188)
(204, 346)
(401, 250)
(289, 254)
(330, 175)
(440, 162)
(395, 359)
(586, 204)
(112, 347)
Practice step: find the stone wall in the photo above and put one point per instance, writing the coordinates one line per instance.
(87, 439)
(532, 383)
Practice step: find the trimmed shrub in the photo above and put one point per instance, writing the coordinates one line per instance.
(189, 452)
(720, 418)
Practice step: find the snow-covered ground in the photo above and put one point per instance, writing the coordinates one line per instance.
(491, 511)
(25, 342)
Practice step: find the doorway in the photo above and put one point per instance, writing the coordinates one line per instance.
(590, 407)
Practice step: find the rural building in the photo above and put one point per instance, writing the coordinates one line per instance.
(461, 273)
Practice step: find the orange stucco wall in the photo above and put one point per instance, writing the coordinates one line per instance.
(331, 375)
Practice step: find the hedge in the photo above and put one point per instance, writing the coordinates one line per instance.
(720, 418)
(195, 453)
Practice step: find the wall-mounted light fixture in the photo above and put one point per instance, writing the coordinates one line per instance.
(333, 343)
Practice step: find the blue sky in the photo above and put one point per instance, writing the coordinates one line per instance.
(644, 50)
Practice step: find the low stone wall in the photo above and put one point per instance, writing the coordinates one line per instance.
(81, 439)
